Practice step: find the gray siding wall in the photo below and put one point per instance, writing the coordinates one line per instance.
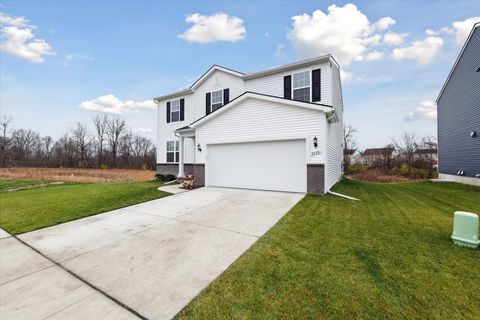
(459, 114)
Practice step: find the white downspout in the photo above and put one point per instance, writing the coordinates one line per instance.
(181, 161)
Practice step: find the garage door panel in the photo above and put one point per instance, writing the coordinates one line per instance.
(272, 165)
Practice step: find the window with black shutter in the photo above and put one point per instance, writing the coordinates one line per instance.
(182, 109)
(316, 94)
(226, 96)
(207, 103)
(168, 112)
(287, 87)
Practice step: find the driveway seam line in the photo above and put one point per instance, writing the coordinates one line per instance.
(26, 275)
(66, 307)
(115, 300)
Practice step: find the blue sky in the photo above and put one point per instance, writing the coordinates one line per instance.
(137, 50)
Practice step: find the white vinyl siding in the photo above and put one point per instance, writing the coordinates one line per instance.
(195, 109)
(273, 84)
(258, 120)
(334, 136)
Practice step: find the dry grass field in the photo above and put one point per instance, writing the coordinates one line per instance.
(76, 174)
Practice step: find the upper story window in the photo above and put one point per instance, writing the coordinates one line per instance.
(217, 100)
(175, 110)
(173, 151)
(301, 86)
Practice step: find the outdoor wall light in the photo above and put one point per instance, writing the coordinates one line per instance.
(199, 147)
(473, 134)
(461, 173)
(315, 142)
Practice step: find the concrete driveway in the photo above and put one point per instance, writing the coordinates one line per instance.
(152, 258)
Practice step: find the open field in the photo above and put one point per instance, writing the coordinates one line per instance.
(76, 174)
(388, 256)
(29, 205)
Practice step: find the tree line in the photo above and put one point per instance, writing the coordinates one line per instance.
(111, 144)
(407, 154)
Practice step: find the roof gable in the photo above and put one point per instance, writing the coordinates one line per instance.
(475, 26)
(211, 71)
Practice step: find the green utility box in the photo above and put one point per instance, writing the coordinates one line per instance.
(465, 229)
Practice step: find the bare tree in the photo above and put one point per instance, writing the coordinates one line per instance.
(25, 140)
(429, 146)
(387, 157)
(406, 146)
(348, 144)
(82, 142)
(115, 128)
(100, 123)
(4, 146)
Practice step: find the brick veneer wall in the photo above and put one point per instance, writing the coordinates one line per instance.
(316, 179)
(195, 169)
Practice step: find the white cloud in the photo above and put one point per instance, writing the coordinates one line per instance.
(217, 27)
(393, 38)
(142, 130)
(344, 32)
(280, 51)
(385, 23)
(423, 51)
(462, 29)
(346, 76)
(70, 57)
(374, 55)
(111, 104)
(426, 110)
(17, 39)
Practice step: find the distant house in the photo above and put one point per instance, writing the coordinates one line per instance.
(458, 107)
(376, 157)
(430, 155)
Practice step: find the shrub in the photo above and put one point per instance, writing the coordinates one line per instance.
(170, 177)
(159, 177)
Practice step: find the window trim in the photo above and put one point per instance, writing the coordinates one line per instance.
(176, 150)
(310, 84)
(211, 99)
(171, 110)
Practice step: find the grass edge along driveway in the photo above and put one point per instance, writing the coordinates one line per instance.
(30, 209)
(388, 256)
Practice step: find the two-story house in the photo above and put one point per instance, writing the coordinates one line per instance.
(279, 129)
(458, 107)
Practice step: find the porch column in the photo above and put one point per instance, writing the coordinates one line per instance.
(181, 161)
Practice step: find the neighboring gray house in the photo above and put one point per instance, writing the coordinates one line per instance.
(458, 107)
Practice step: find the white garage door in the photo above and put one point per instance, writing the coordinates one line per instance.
(271, 165)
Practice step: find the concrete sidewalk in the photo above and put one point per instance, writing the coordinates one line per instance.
(33, 287)
(153, 257)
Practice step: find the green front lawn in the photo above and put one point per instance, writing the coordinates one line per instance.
(389, 256)
(30, 209)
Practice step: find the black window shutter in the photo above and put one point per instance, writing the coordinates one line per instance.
(226, 96)
(207, 103)
(287, 87)
(182, 109)
(168, 112)
(316, 96)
